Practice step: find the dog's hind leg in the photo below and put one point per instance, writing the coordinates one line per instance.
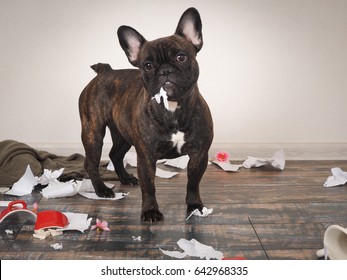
(119, 149)
(93, 142)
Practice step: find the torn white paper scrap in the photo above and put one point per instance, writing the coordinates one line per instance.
(49, 176)
(164, 174)
(205, 213)
(338, 178)
(277, 161)
(86, 185)
(9, 231)
(24, 185)
(57, 246)
(194, 248)
(180, 162)
(136, 238)
(86, 189)
(227, 166)
(56, 189)
(77, 221)
(93, 195)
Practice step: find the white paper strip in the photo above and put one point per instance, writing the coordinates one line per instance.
(205, 213)
(338, 178)
(24, 185)
(194, 248)
(277, 161)
(227, 166)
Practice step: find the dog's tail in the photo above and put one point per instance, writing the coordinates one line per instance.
(101, 67)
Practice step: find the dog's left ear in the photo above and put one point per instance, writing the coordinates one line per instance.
(131, 42)
(189, 27)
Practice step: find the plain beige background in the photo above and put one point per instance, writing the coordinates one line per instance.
(272, 71)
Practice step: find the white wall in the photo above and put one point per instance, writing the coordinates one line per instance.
(272, 71)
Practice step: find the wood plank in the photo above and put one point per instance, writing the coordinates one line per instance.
(259, 213)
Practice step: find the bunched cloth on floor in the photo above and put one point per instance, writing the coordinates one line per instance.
(15, 157)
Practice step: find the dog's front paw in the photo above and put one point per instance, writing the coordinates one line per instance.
(152, 216)
(192, 206)
(105, 192)
(131, 181)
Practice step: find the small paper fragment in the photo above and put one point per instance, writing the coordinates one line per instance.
(56, 189)
(180, 162)
(77, 221)
(86, 189)
(24, 185)
(277, 161)
(164, 174)
(136, 238)
(49, 176)
(205, 213)
(57, 246)
(227, 166)
(338, 178)
(194, 248)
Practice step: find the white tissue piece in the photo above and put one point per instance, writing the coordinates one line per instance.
(57, 246)
(86, 189)
(194, 248)
(136, 238)
(180, 162)
(9, 231)
(164, 174)
(162, 93)
(131, 159)
(56, 189)
(277, 161)
(24, 185)
(227, 166)
(205, 213)
(77, 221)
(338, 178)
(49, 176)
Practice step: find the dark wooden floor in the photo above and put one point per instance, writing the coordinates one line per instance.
(259, 213)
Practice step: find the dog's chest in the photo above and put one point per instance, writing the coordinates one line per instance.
(177, 140)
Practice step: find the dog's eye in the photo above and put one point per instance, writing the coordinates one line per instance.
(181, 57)
(148, 66)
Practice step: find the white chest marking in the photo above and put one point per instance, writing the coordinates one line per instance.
(178, 140)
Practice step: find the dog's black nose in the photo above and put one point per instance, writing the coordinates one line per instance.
(166, 71)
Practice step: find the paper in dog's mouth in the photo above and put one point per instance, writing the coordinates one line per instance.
(162, 96)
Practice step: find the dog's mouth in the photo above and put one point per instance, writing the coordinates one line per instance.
(169, 87)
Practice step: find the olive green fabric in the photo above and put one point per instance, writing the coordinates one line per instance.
(16, 156)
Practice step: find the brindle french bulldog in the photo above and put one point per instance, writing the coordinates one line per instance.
(157, 108)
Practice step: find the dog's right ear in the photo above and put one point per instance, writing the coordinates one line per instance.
(131, 42)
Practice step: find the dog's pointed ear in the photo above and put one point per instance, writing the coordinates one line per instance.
(131, 42)
(190, 26)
